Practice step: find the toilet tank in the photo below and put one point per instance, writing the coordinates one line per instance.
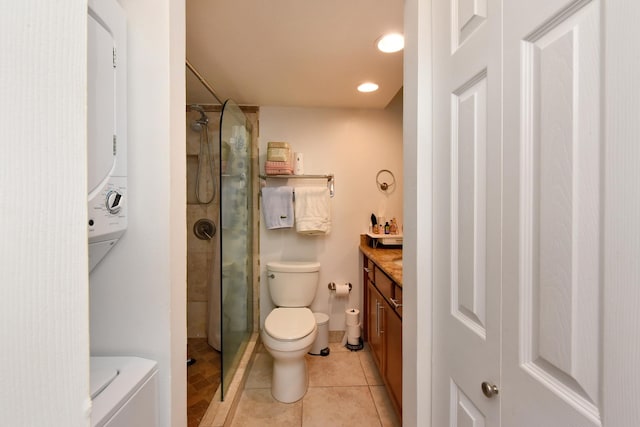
(293, 284)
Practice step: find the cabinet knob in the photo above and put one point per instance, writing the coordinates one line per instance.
(489, 389)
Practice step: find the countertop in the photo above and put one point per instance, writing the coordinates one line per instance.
(384, 259)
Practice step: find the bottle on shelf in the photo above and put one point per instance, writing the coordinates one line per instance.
(393, 227)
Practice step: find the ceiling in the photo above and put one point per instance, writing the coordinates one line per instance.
(305, 53)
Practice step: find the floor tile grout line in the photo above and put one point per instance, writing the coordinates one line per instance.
(375, 405)
(363, 370)
(339, 386)
(323, 386)
(302, 409)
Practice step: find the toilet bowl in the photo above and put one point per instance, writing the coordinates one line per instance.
(290, 329)
(294, 336)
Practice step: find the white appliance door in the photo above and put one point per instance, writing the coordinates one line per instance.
(101, 125)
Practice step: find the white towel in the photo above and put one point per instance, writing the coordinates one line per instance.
(277, 203)
(312, 210)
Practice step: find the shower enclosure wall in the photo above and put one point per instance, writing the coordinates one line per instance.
(203, 283)
(222, 271)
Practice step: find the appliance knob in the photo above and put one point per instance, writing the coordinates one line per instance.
(113, 202)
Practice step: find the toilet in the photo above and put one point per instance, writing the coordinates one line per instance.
(290, 329)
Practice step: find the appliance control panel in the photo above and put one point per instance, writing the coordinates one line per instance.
(108, 211)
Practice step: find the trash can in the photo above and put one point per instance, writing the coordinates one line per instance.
(320, 346)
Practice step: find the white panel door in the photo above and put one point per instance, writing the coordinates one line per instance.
(536, 236)
(552, 310)
(467, 186)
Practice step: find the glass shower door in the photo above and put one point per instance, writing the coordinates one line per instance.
(236, 239)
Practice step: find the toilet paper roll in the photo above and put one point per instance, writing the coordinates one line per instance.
(352, 316)
(353, 331)
(298, 164)
(342, 290)
(353, 334)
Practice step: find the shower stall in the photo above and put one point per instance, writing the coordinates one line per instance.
(220, 216)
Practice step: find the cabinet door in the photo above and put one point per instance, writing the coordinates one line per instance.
(375, 327)
(367, 276)
(393, 360)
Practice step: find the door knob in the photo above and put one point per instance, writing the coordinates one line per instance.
(489, 390)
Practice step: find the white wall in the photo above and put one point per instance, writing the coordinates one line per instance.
(417, 249)
(177, 215)
(138, 292)
(44, 341)
(354, 145)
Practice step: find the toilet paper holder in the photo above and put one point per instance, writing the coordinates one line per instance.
(332, 286)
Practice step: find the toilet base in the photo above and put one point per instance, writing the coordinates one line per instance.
(290, 379)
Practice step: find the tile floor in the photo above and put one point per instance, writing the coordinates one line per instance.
(203, 378)
(345, 389)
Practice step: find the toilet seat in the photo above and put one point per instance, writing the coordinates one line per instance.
(290, 324)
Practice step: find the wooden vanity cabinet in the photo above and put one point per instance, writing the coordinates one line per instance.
(393, 357)
(383, 329)
(375, 325)
(398, 298)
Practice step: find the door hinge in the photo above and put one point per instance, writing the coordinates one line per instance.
(115, 138)
(114, 58)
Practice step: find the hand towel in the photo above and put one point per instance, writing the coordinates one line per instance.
(278, 168)
(277, 207)
(278, 171)
(278, 165)
(312, 210)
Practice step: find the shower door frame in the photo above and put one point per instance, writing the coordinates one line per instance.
(230, 361)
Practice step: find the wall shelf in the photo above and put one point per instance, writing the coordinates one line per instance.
(330, 178)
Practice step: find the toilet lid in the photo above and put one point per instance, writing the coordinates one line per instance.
(289, 324)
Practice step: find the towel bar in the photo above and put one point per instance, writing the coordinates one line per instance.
(329, 177)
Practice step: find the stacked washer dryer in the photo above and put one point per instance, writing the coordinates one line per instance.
(123, 389)
(106, 127)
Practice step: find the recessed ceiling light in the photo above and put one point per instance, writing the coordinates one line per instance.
(391, 43)
(368, 87)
